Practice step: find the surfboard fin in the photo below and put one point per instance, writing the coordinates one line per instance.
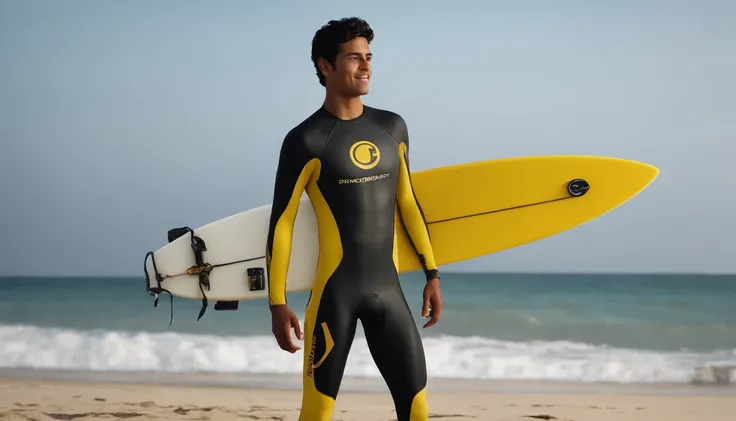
(175, 233)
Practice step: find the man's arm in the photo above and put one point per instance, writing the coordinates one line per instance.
(295, 167)
(411, 213)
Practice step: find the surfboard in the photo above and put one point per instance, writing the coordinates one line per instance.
(472, 209)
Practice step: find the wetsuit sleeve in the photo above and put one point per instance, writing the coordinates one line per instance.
(409, 208)
(293, 172)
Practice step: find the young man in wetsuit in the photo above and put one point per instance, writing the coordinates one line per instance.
(352, 160)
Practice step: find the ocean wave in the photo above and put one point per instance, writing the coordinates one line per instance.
(24, 346)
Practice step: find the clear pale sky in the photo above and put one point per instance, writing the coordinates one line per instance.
(120, 120)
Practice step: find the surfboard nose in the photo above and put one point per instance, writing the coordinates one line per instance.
(484, 207)
(614, 181)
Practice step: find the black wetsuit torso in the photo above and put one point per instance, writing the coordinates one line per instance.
(356, 175)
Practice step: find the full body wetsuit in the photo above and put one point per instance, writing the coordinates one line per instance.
(356, 174)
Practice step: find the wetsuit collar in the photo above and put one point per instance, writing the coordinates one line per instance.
(362, 114)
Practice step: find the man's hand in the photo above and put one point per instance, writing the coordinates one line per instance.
(282, 320)
(432, 302)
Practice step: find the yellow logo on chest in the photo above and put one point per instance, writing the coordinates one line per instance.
(364, 154)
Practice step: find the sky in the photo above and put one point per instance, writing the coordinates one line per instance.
(120, 120)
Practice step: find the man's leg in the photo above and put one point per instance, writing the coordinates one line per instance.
(329, 329)
(397, 349)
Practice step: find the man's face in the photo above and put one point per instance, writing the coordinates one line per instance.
(352, 71)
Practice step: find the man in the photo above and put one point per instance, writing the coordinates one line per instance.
(351, 160)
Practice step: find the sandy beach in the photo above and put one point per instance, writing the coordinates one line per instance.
(40, 400)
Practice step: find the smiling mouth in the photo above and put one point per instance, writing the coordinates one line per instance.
(363, 78)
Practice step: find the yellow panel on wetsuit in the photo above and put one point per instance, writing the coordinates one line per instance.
(356, 175)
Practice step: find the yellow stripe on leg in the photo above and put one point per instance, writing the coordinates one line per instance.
(317, 406)
(419, 407)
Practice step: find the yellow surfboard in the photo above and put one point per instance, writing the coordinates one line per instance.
(471, 209)
(484, 207)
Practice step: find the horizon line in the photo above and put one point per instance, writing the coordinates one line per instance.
(563, 273)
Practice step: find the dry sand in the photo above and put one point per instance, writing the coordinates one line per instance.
(40, 400)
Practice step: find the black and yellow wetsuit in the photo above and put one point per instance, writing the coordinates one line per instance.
(356, 174)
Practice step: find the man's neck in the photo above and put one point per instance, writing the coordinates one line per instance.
(344, 108)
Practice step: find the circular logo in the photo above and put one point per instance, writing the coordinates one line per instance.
(365, 154)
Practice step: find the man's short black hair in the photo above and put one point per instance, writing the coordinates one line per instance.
(328, 38)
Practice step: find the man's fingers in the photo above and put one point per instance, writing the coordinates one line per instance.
(284, 340)
(431, 322)
(290, 343)
(436, 312)
(282, 321)
(280, 341)
(297, 328)
(435, 318)
(437, 308)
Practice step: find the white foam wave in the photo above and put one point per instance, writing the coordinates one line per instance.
(447, 357)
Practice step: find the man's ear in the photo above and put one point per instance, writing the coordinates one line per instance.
(324, 66)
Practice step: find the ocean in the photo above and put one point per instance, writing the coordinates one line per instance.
(570, 328)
